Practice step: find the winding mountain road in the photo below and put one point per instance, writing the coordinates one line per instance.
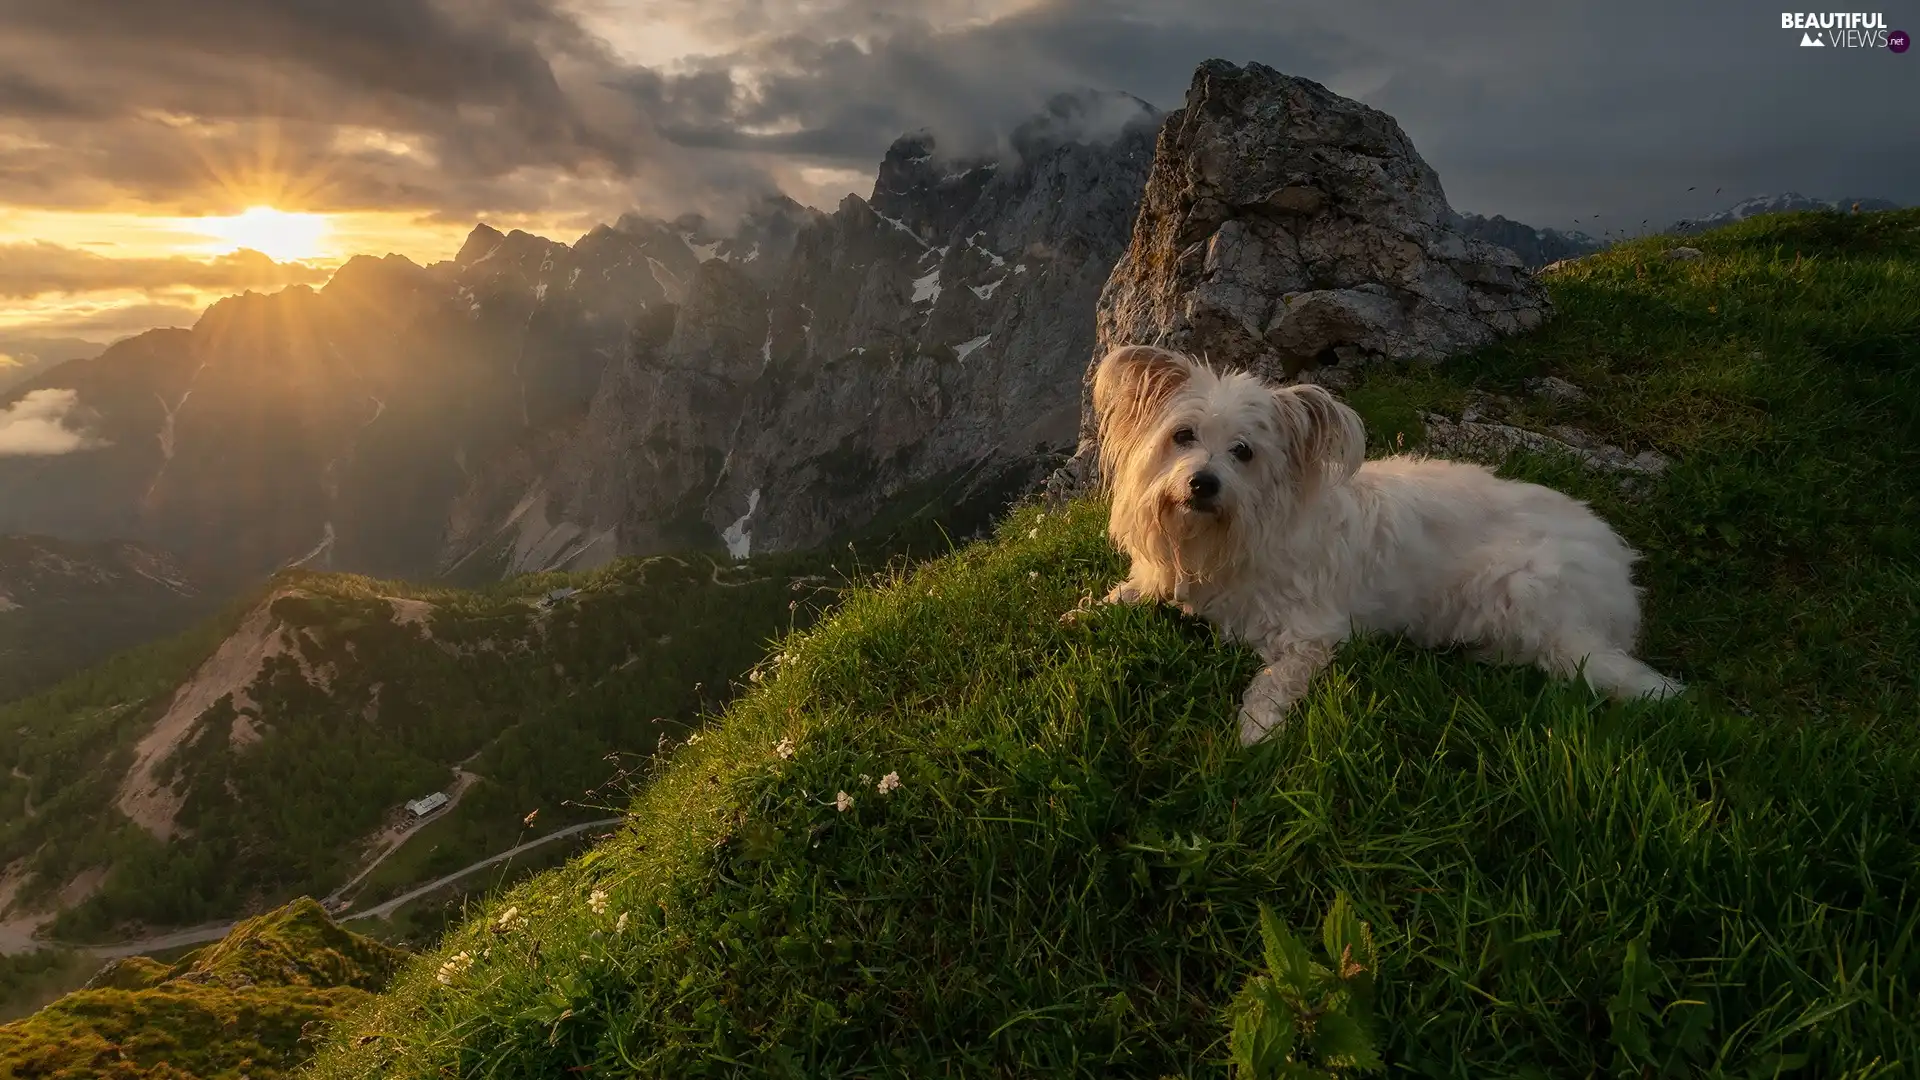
(200, 935)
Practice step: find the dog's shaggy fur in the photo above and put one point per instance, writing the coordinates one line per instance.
(1254, 508)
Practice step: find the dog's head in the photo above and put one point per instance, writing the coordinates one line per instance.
(1202, 466)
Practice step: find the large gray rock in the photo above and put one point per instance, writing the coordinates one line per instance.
(1285, 229)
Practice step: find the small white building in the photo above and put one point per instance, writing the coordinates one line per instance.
(420, 808)
(556, 596)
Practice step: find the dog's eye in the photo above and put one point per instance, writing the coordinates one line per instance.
(1183, 436)
(1241, 451)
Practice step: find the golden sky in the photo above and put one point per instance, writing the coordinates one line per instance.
(315, 243)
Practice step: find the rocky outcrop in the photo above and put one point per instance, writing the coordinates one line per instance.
(1285, 228)
(1291, 232)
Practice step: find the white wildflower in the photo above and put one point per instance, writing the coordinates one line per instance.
(693, 738)
(843, 801)
(455, 965)
(1034, 535)
(865, 779)
(598, 901)
(889, 783)
(1034, 575)
(509, 920)
(784, 748)
(754, 675)
(620, 924)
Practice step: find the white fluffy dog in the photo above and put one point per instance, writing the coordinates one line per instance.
(1254, 508)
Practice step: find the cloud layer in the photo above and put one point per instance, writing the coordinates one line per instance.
(43, 423)
(39, 269)
(461, 108)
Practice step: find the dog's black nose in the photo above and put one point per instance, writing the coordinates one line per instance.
(1203, 485)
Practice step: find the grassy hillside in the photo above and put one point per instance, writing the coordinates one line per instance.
(66, 605)
(251, 1005)
(254, 759)
(1068, 877)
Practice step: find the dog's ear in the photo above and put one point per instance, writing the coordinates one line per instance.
(1326, 438)
(1131, 386)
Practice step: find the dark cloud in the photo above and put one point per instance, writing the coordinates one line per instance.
(40, 269)
(1543, 112)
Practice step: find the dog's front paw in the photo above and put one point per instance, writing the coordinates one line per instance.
(1263, 709)
(1268, 698)
(1124, 593)
(1257, 722)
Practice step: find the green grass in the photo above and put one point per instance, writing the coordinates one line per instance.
(1070, 877)
(30, 980)
(251, 1005)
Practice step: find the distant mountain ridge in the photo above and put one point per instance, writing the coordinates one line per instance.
(1783, 203)
(1536, 247)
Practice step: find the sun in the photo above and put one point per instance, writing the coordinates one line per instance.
(277, 234)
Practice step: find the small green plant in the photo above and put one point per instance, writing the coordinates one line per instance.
(1305, 1020)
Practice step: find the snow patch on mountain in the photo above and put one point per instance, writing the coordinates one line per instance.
(739, 535)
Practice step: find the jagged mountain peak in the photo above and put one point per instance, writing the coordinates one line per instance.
(368, 276)
(483, 239)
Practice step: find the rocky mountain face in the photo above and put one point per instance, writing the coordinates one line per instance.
(1536, 247)
(922, 341)
(64, 605)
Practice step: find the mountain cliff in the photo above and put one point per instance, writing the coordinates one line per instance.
(930, 335)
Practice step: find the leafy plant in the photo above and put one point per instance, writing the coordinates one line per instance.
(1304, 1019)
